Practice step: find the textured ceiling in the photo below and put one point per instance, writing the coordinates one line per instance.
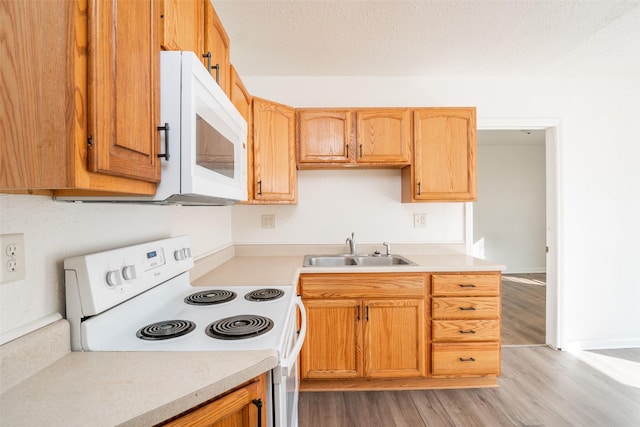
(426, 38)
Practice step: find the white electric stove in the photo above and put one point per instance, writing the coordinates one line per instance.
(139, 298)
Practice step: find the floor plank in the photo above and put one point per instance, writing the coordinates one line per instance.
(539, 386)
(523, 309)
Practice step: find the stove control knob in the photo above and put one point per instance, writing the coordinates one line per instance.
(187, 252)
(179, 255)
(114, 278)
(129, 272)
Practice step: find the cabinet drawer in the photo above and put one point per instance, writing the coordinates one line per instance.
(465, 330)
(466, 359)
(466, 285)
(363, 285)
(466, 308)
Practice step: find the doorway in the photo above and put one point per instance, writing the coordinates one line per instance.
(548, 235)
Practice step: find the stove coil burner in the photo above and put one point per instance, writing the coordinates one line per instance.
(166, 329)
(239, 327)
(267, 294)
(210, 297)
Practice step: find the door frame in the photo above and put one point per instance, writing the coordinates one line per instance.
(554, 169)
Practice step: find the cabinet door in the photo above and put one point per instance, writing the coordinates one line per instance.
(275, 175)
(444, 166)
(394, 338)
(324, 136)
(384, 136)
(216, 43)
(123, 105)
(182, 25)
(234, 409)
(332, 347)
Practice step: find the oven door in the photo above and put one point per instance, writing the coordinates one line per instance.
(285, 375)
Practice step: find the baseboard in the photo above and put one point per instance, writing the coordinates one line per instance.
(525, 270)
(601, 344)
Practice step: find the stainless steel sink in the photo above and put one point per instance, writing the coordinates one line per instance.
(355, 260)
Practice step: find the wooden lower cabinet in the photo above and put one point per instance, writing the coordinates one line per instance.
(243, 406)
(465, 311)
(400, 331)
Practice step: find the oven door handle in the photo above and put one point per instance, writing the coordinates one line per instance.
(293, 355)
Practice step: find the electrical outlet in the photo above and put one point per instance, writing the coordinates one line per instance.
(420, 220)
(12, 265)
(268, 221)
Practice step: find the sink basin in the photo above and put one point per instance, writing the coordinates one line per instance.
(328, 261)
(355, 260)
(384, 260)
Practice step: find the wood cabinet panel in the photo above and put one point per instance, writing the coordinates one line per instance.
(363, 285)
(465, 330)
(216, 44)
(234, 409)
(324, 136)
(384, 136)
(394, 338)
(466, 359)
(123, 60)
(444, 156)
(275, 174)
(332, 348)
(182, 25)
(465, 284)
(465, 308)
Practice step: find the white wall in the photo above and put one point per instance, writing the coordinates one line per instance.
(54, 231)
(598, 182)
(509, 217)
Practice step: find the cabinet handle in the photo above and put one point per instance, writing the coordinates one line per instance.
(347, 147)
(360, 150)
(470, 359)
(366, 313)
(468, 308)
(208, 56)
(358, 312)
(419, 188)
(470, 331)
(165, 128)
(217, 68)
(467, 286)
(260, 188)
(258, 403)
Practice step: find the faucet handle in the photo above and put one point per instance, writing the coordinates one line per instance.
(388, 246)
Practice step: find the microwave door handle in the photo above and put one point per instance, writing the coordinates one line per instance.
(293, 356)
(165, 128)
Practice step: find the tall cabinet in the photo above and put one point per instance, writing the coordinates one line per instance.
(70, 125)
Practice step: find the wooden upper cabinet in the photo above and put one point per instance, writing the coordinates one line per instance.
(193, 25)
(182, 25)
(375, 137)
(324, 136)
(216, 44)
(274, 160)
(444, 156)
(44, 130)
(384, 136)
(123, 104)
(241, 99)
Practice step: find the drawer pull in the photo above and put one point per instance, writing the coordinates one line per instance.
(467, 286)
(470, 331)
(470, 359)
(468, 308)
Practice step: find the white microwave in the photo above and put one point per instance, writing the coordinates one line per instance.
(204, 143)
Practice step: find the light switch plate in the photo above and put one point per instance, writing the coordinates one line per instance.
(12, 264)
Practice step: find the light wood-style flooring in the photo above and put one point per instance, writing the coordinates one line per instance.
(523, 309)
(539, 386)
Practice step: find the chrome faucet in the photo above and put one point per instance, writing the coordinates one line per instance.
(388, 246)
(352, 244)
